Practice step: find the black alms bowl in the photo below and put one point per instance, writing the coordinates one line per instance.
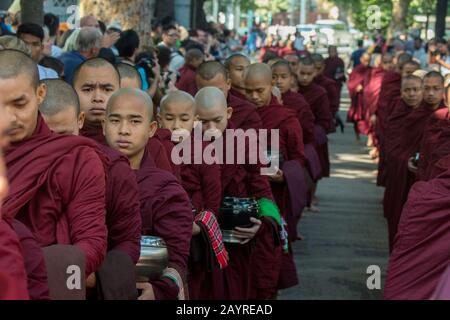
(236, 212)
(153, 260)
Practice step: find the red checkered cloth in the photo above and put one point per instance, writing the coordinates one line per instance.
(209, 221)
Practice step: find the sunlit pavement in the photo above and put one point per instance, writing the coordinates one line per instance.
(349, 233)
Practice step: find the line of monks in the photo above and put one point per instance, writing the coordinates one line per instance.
(405, 111)
(89, 165)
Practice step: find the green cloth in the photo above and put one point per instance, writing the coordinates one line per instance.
(267, 208)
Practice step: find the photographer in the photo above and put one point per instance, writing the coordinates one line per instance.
(442, 56)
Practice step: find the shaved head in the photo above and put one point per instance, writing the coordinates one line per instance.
(234, 56)
(259, 71)
(14, 63)
(212, 110)
(317, 58)
(210, 69)
(434, 74)
(94, 63)
(412, 90)
(177, 97)
(411, 78)
(210, 97)
(60, 96)
(138, 94)
(129, 76)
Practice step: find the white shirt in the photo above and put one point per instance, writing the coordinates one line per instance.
(47, 73)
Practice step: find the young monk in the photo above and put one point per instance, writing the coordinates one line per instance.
(284, 78)
(251, 273)
(421, 249)
(290, 177)
(61, 112)
(235, 66)
(193, 59)
(95, 81)
(357, 113)
(317, 99)
(435, 143)
(202, 183)
(129, 76)
(165, 208)
(330, 86)
(389, 93)
(214, 74)
(371, 93)
(404, 134)
(13, 279)
(57, 183)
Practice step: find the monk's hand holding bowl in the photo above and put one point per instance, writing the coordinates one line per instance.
(247, 234)
(373, 119)
(91, 281)
(359, 88)
(147, 291)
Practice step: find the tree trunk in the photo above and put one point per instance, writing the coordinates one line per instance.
(399, 13)
(32, 11)
(132, 14)
(441, 12)
(198, 15)
(344, 8)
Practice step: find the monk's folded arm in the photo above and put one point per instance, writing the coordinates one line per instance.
(211, 187)
(86, 209)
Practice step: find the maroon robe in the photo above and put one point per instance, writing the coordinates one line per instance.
(305, 116)
(57, 189)
(291, 200)
(371, 95)
(122, 198)
(332, 90)
(332, 65)
(186, 82)
(389, 93)
(13, 278)
(34, 263)
(317, 99)
(357, 112)
(251, 274)
(244, 112)
(403, 137)
(159, 155)
(166, 212)
(442, 291)
(202, 183)
(165, 137)
(435, 143)
(422, 245)
(123, 217)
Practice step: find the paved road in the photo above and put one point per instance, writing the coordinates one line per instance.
(348, 234)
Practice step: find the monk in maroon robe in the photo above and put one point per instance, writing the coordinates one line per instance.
(13, 279)
(435, 143)
(258, 84)
(236, 65)
(318, 101)
(165, 208)
(356, 113)
(57, 183)
(421, 251)
(61, 111)
(284, 77)
(329, 84)
(214, 74)
(404, 134)
(193, 59)
(335, 68)
(202, 183)
(390, 92)
(371, 92)
(251, 273)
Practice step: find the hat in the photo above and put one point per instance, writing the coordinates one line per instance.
(115, 26)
